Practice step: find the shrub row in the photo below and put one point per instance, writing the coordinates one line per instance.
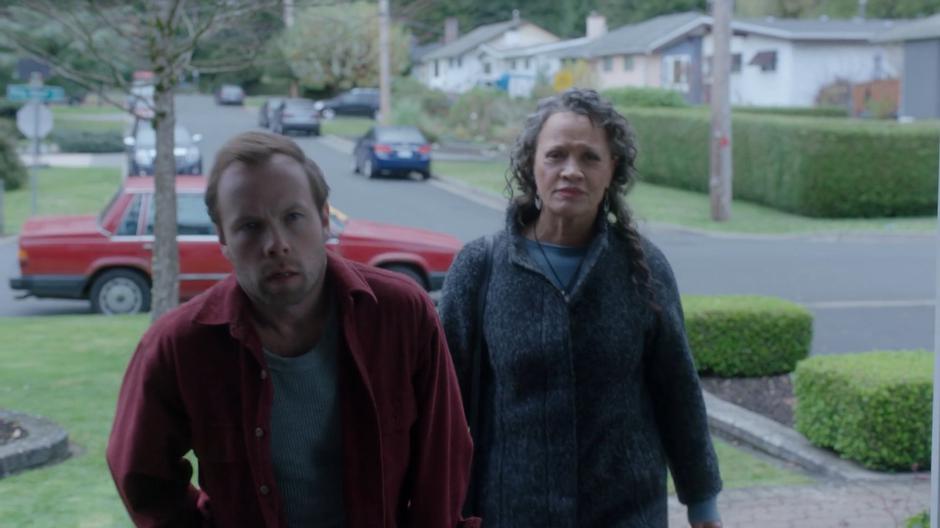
(644, 97)
(809, 166)
(808, 111)
(12, 171)
(77, 140)
(746, 335)
(873, 407)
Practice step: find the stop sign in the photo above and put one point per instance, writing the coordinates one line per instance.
(34, 120)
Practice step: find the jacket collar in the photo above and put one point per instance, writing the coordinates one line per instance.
(227, 303)
(519, 255)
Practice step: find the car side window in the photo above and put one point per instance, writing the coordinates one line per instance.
(192, 218)
(128, 225)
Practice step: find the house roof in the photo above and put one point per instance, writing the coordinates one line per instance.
(642, 37)
(925, 28)
(551, 48)
(816, 29)
(471, 40)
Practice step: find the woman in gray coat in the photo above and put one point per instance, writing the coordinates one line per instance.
(587, 389)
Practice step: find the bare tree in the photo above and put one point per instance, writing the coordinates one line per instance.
(98, 43)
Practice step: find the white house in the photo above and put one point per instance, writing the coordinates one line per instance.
(786, 62)
(485, 56)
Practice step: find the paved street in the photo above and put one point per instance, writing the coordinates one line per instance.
(865, 292)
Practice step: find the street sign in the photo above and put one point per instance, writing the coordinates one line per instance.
(33, 122)
(25, 92)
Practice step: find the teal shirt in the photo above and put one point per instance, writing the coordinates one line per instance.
(306, 435)
(559, 263)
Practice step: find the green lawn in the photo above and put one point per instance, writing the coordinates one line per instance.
(666, 205)
(61, 191)
(348, 127)
(69, 369)
(90, 125)
(61, 111)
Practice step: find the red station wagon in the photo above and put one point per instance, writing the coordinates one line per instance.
(107, 259)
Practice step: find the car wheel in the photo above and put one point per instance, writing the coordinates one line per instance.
(120, 291)
(409, 272)
(328, 113)
(426, 175)
(367, 169)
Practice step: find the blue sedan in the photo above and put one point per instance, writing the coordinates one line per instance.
(393, 150)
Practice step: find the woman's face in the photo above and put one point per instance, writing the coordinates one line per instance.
(573, 166)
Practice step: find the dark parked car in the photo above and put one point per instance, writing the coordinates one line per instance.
(296, 114)
(397, 150)
(230, 94)
(355, 102)
(141, 145)
(266, 112)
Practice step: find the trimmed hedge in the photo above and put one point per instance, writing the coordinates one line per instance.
(732, 335)
(76, 140)
(818, 167)
(807, 111)
(12, 171)
(874, 407)
(644, 97)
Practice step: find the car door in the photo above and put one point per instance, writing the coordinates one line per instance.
(201, 261)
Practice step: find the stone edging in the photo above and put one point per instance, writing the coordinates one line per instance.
(768, 436)
(44, 442)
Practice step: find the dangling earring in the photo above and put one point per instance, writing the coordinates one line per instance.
(611, 216)
(538, 203)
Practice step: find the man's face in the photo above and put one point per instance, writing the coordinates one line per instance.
(272, 232)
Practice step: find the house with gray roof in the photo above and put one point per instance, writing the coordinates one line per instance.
(920, 80)
(662, 52)
(791, 62)
(484, 56)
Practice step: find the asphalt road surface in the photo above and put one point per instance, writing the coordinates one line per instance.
(866, 292)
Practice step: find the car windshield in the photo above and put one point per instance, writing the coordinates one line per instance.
(399, 135)
(231, 90)
(299, 104)
(147, 137)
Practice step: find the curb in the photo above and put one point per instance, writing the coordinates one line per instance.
(44, 443)
(761, 433)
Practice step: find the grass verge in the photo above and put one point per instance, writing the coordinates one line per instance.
(69, 369)
(59, 111)
(61, 191)
(347, 127)
(666, 205)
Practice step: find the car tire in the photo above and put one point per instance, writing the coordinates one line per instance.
(119, 292)
(409, 272)
(426, 175)
(367, 169)
(328, 113)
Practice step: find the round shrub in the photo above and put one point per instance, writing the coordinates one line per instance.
(874, 407)
(745, 336)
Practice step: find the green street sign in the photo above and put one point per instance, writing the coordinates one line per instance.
(25, 92)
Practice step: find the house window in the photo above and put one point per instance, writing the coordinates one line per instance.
(512, 64)
(608, 64)
(486, 68)
(527, 63)
(437, 69)
(450, 63)
(767, 60)
(736, 63)
(680, 72)
(628, 63)
(676, 72)
(460, 61)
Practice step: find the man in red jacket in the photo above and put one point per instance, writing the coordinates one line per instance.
(313, 391)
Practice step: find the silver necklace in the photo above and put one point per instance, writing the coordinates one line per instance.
(564, 288)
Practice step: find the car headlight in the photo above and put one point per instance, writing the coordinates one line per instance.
(318, 105)
(145, 156)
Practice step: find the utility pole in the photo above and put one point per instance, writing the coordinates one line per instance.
(721, 176)
(385, 88)
(935, 433)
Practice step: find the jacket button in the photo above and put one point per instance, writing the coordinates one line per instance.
(264, 489)
(264, 374)
(259, 432)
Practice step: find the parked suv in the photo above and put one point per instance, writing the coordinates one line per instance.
(141, 143)
(355, 102)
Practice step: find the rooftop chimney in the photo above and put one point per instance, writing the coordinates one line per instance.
(451, 29)
(596, 25)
